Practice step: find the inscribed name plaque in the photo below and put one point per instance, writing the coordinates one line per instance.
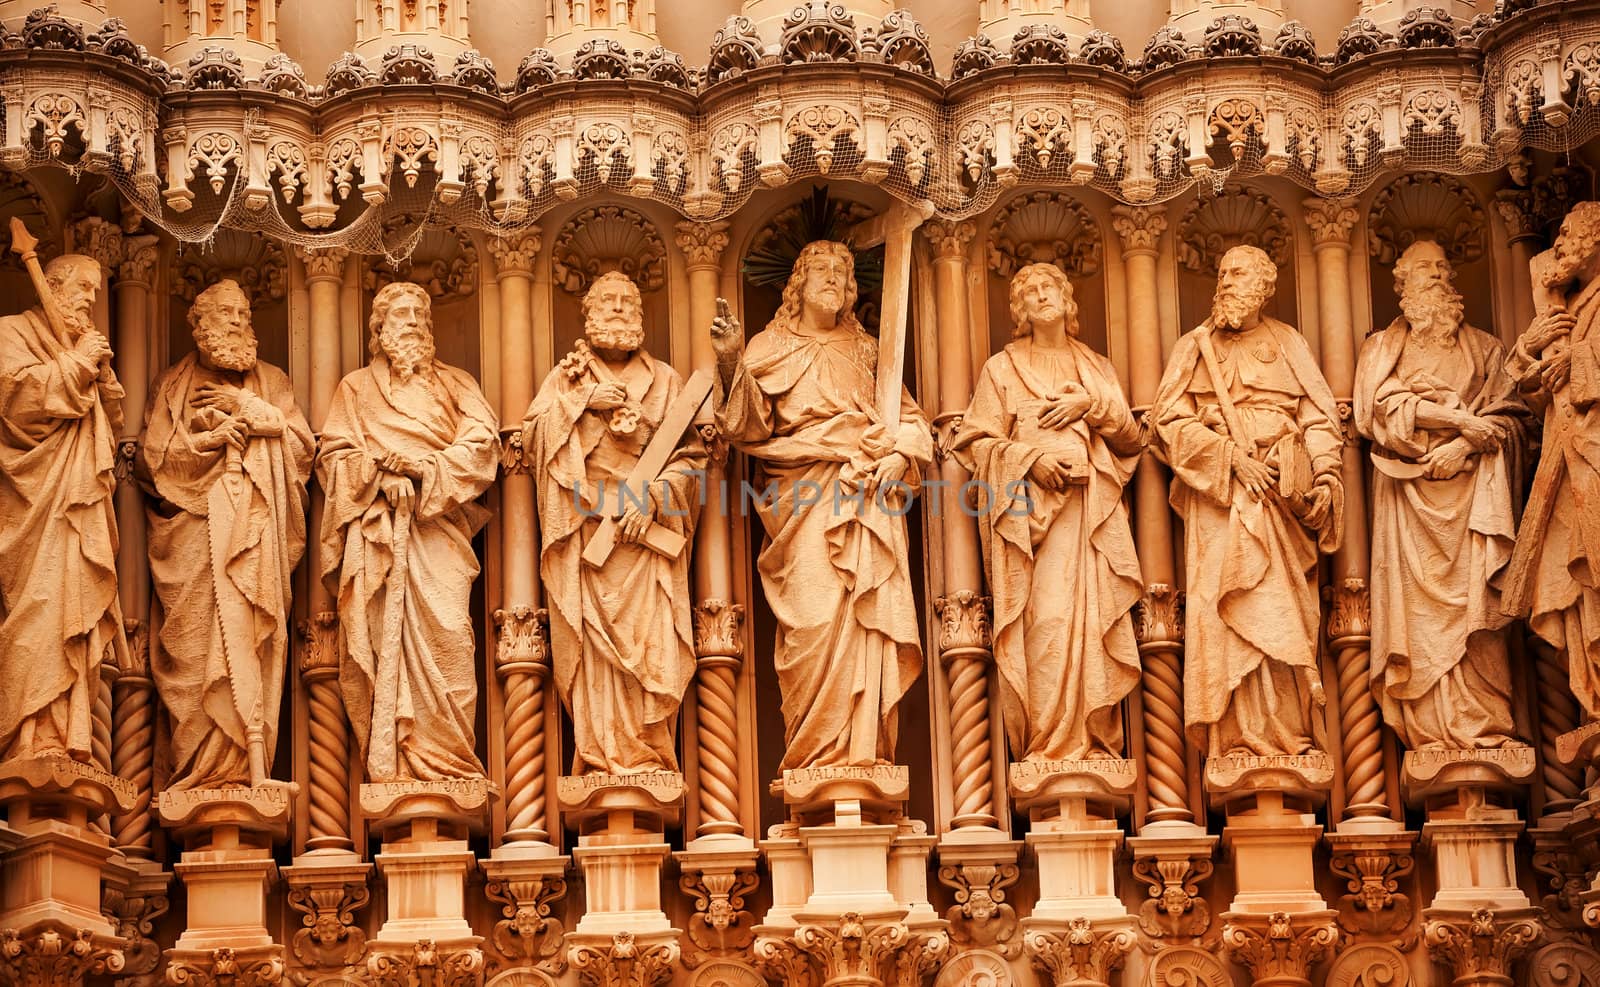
(1306, 775)
(262, 809)
(457, 800)
(1580, 744)
(1103, 780)
(43, 779)
(871, 783)
(1431, 772)
(658, 793)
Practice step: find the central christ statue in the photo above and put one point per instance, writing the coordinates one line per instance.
(801, 400)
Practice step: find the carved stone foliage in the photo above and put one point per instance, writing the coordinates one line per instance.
(1565, 964)
(1427, 206)
(609, 238)
(329, 936)
(1045, 132)
(1041, 44)
(1582, 70)
(412, 149)
(52, 957)
(1427, 27)
(1045, 227)
(1166, 47)
(852, 952)
(820, 128)
(1158, 618)
(227, 967)
(624, 962)
(1080, 955)
(444, 261)
(1361, 37)
(717, 628)
(1211, 226)
(904, 42)
(425, 964)
(964, 623)
(214, 67)
(1431, 113)
(1237, 123)
(981, 916)
(526, 933)
(721, 925)
(537, 68)
(522, 631)
(1294, 40)
(257, 263)
(56, 118)
(134, 912)
(1480, 945)
(1279, 945)
(600, 58)
(348, 72)
(1175, 909)
(1231, 36)
(1369, 965)
(973, 55)
(407, 65)
(735, 50)
(1169, 145)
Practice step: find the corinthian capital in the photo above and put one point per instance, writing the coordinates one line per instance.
(1139, 227)
(1331, 220)
(949, 238)
(702, 243)
(514, 254)
(323, 263)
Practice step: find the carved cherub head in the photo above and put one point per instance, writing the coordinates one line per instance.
(824, 280)
(1042, 293)
(613, 313)
(1575, 244)
(220, 321)
(75, 281)
(1246, 278)
(402, 328)
(1425, 282)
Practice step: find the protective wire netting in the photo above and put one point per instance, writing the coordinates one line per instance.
(929, 149)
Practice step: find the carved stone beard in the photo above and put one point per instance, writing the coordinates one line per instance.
(1574, 248)
(1433, 311)
(825, 298)
(618, 333)
(409, 351)
(1230, 310)
(227, 348)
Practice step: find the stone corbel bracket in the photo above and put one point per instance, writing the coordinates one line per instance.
(979, 872)
(527, 887)
(1082, 953)
(1372, 865)
(719, 880)
(48, 953)
(1279, 948)
(327, 896)
(1172, 865)
(259, 966)
(1480, 948)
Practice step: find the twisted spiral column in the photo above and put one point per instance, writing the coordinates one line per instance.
(1350, 637)
(719, 648)
(1558, 714)
(964, 644)
(1159, 629)
(523, 665)
(133, 744)
(327, 736)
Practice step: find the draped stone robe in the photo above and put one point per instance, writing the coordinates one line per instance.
(404, 582)
(836, 574)
(1251, 607)
(61, 616)
(1061, 564)
(621, 634)
(1554, 574)
(226, 530)
(1439, 661)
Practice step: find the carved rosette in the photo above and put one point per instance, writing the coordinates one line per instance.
(981, 917)
(1079, 956)
(1482, 947)
(964, 625)
(527, 934)
(718, 629)
(721, 926)
(329, 936)
(946, 426)
(1373, 904)
(524, 644)
(1280, 948)
(1175, 911)
(127, 453)
(513, 457)
(227, 967)
(56, 957)
(425, 964)
(625, 962)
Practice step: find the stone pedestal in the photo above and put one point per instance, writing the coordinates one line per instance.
(1072, 808)
(1472, 838)
(621, 849)
(227, 871)
(424, 862)
(54, 865)
(1272, 842)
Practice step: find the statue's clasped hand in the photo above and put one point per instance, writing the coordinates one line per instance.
(1071, 404)
(1257, 477)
